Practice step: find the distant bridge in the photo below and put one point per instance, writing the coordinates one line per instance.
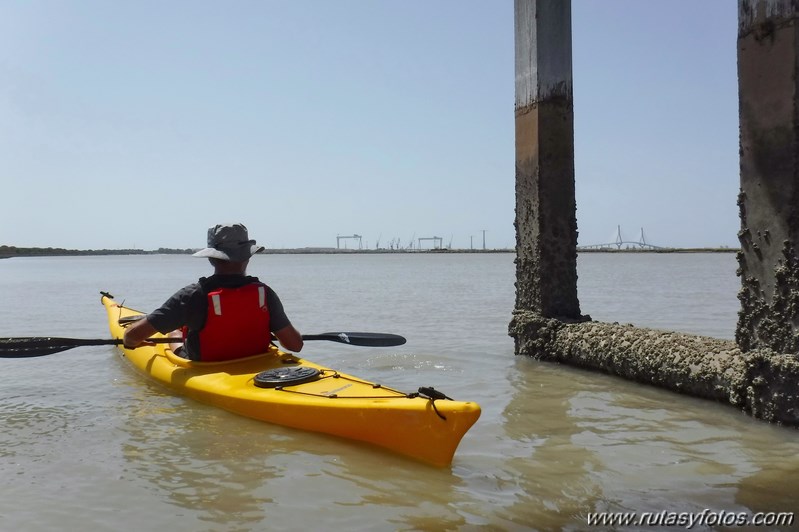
(619, 242)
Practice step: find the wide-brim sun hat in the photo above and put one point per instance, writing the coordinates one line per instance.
(229, 242)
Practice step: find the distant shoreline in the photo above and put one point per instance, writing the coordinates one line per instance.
(11, 251)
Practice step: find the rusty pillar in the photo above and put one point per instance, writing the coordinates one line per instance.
(768, 79)
(546, 222)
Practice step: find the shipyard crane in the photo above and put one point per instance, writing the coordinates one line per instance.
(339, 238)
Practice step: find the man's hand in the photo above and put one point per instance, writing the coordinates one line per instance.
(136, 334)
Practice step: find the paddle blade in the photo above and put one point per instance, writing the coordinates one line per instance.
(40, 341)
(359, 338)
(28, 352)
(37, 346)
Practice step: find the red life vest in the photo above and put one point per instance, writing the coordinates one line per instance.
(237, 323)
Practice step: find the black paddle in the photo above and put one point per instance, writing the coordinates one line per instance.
(25, 347)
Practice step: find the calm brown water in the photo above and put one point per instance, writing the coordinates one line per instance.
(88, 444)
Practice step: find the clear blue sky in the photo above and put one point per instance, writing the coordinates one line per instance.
(142, 123)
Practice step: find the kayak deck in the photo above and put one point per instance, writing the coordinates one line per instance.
(415, 425)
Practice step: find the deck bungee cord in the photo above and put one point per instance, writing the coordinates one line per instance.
(282, 379)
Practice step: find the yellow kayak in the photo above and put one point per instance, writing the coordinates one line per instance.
(284, 389)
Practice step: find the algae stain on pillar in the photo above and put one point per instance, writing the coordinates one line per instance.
(768, 85)
(546, 222)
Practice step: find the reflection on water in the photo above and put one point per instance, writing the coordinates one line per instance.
(237, 472)
(190, 456)
(221, 467)
(553, 475)
(604, 444)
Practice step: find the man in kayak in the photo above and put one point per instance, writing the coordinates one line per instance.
(228, 315)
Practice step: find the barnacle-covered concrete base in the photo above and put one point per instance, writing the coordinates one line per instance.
(760, 382)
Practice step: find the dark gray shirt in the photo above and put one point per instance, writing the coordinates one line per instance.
(189, 307)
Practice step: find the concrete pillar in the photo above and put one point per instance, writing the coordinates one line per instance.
(546, 222)
(768, 79)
